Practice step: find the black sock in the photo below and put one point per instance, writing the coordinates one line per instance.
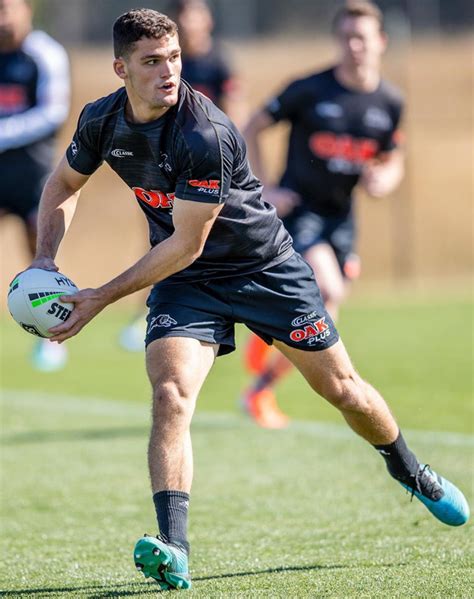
(401, 462)
(172, 514)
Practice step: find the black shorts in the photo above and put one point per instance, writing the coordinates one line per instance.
(22, 180)
(282, 302)
(308, 229)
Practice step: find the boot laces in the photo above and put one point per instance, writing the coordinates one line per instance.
(426, 484)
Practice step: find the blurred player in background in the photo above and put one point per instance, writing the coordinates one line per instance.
(205, 63)
(34, 103)
(207, 69)
(344, 132)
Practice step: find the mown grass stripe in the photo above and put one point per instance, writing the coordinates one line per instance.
(95, 405)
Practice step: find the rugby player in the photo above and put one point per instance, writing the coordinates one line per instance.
(206, 68)
(219, 256)
(344, 132)
(34, 103)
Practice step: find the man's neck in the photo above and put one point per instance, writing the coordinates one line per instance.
(140, 114)
(362, 79)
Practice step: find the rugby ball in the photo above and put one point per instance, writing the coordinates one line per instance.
(33, 300)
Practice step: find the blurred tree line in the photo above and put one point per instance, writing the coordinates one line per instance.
(89, 21)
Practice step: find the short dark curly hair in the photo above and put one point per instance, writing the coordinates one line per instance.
(138, 23)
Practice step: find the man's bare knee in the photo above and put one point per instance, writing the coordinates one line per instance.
(171, 403)
(349, 394)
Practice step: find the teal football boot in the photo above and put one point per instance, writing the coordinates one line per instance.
(443, 499)
(166, 563)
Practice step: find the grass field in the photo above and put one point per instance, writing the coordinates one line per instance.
(306, 512)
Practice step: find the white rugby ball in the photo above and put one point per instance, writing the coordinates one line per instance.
(33, 300)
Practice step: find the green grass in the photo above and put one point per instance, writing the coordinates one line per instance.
(306, 512)
(419, 355)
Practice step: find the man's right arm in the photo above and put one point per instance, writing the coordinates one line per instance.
(259, 121)
(57, 207)
(283, 199)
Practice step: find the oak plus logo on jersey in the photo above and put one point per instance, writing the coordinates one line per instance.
(119, 153)
(209, 186)
(343, 153)
(309, 329)
(13, 98)
(154, 197)
(326, 145)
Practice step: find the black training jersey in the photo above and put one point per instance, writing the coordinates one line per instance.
(334, 131)
(34, 101)
(195, 153)
(209, 74)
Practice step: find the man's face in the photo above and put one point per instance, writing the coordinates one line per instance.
(361, 41)
(15, 21)
(152, 71)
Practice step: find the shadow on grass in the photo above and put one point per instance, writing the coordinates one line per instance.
(74, 435)
(129, 590)
(54, 436)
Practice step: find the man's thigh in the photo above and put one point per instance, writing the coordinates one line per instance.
(181, 362)
(324, 370)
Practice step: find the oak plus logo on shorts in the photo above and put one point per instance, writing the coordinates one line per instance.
(209, 186)
(119, 153)
(310, 328)
(74, 148)
(161, 321)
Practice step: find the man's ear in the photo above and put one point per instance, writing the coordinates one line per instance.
(120, 68)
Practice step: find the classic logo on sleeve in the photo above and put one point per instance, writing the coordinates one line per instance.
(209, 186)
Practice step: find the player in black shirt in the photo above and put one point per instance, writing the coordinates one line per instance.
(206, 68)
(34, 103)
(344, 131)
(205, 63)
(219, 256)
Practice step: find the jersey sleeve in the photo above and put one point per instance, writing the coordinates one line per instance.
(394, 137)
(205, 165)
(83, 154)
(285, 106)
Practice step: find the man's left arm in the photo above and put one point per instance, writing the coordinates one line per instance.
(192, 221)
